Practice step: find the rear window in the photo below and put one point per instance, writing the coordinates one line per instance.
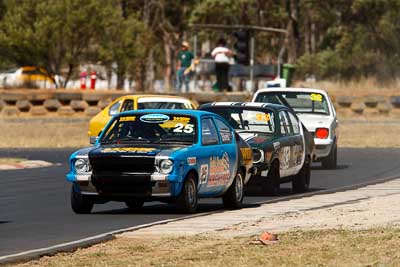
(300, 102)
(164, 105)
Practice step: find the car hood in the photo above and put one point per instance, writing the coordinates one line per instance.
(313, 121)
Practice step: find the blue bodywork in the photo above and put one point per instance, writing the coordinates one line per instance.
(214, 165)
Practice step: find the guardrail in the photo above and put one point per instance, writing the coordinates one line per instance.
(66, 103)
(14, 103)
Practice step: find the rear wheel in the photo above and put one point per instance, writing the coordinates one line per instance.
(233, 198)
(301, 181)
(80, 204)
(134, 204)
(271, 184)
(188, 200)
(330, 162)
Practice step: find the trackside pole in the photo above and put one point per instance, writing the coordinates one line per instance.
(195, 56)
(252, 63)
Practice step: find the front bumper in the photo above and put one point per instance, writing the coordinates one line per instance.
(125, 185)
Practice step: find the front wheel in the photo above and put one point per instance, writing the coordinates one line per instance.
(80, 204)
(233, 198)
(301, 181)
(271, 185)
(188, 200)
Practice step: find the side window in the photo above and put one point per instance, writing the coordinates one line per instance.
(127, 105)
(209, 132)
(285, 127)
(295, 123)
(114, 108)
(224, 131)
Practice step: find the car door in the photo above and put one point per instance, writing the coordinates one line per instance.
(229, 149)
(210, 157)
(286, 142)
(298, 149)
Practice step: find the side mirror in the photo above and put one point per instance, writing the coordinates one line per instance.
(93, 139)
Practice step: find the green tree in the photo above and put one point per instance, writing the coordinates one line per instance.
(122, 43)
(54, 34)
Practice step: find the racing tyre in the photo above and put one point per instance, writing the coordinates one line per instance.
(271, 185)
(301, 181)
(188, 200)
(330, 162)
(233, 198)
(80, 204)
(134, 204)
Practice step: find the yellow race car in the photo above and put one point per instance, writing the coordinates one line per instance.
(134, 102)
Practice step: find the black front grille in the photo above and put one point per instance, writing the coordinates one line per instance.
(122, 164)
(123, 184)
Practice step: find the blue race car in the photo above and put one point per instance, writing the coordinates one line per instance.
(165, 155)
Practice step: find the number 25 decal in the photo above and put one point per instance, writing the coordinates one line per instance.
(179, 128)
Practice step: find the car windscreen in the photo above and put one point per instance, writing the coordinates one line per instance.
(151, 128)
(247, 119)
(300, 102)
(164, 105)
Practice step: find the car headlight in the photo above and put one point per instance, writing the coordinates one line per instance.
(82, 166)
(166, 166)
(258, 155)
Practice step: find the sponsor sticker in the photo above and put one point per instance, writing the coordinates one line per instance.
(316, 97)
(154, 118)
(263, 117)
(128, 149)
(181, 119)
(247, 154)
(203, 173)
(219, 172)
(128, 118)
(191, 160)
(285, 158)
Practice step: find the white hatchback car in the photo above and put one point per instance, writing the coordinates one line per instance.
(316, 111)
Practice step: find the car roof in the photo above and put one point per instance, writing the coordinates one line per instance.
(155, 96)
(244, 104)
(292, 89)
(190, 112)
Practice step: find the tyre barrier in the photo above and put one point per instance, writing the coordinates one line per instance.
(66, 103)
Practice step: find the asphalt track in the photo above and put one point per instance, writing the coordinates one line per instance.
(35, 210)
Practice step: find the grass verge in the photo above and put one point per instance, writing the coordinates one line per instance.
(375, 247)
(43, 134)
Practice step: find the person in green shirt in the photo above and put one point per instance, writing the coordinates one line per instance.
(185, 58)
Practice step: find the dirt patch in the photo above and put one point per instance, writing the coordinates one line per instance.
(17, 164)
(11, 160)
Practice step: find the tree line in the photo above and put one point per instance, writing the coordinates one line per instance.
(139, 39)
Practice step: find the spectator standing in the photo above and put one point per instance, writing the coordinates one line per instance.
(185, 58)
(222, 55)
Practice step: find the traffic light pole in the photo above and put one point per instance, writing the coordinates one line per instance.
(252, 63)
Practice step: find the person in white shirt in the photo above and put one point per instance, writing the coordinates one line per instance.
(221, 55)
